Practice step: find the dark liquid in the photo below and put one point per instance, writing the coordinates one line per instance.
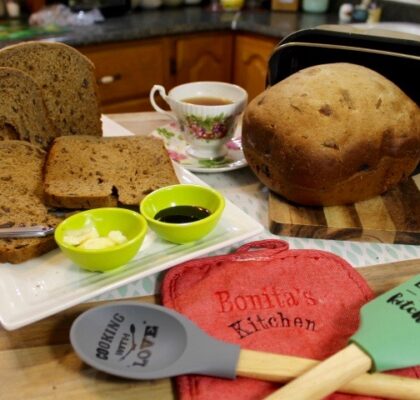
(207, 101)
(182, 214)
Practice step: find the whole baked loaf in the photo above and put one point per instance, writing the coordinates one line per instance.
(23, 115)
(332, 134)
(89, 172)
(67, 81)
(21, 203)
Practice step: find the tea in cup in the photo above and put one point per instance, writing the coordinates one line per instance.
(207, 112)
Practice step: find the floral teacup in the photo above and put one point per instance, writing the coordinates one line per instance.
(207, 112)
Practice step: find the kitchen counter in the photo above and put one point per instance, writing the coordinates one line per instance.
(142, 24)
(37, 361)
(155, 23)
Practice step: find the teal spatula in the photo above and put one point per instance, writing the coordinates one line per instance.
(388, 338)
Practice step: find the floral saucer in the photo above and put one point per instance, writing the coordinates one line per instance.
(177, 147)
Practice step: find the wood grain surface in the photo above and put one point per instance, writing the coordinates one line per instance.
(391, 218)
(38, 363)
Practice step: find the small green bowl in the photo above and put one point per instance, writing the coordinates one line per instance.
(130, 223)
(183, 195)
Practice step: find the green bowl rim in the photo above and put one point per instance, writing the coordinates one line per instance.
(211, 217)
(141, 234)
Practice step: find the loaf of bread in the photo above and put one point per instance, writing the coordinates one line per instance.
(21, 202)
(23, 115)
(67, 81)
(332, 134)
(89, 172)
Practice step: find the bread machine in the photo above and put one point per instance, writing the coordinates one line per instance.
(392, 53)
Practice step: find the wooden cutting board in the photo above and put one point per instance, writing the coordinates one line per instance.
(391, 218)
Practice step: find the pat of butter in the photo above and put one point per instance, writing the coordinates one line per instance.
(76, 237)
(97, 243)
(88, 238)
(117, 237)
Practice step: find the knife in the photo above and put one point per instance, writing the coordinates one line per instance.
(26, 231)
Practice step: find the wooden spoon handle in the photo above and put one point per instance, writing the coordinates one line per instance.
(326, 377)
(384, 277)
(280, 368)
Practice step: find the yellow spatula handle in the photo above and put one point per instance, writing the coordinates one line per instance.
(279, 368)
(326, 377)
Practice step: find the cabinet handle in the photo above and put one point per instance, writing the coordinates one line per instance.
(107, 79)
(172, 66)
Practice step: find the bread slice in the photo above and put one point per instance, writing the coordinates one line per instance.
(89, 172)
(67, 81)
(23, 115)
(21, 200)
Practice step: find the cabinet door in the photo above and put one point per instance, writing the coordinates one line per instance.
(203, 58)
(135, 105)
(251, 61)
(127, 71)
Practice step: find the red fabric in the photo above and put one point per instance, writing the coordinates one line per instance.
(266, 297)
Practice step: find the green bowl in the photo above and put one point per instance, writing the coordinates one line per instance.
(130, 223)
(183, 195)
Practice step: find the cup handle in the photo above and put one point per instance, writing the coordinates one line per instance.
(161, 90)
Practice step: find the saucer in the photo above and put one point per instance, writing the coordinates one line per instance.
(177, 147)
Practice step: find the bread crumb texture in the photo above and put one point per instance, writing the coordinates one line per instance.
(21, 200)
(332, 134)
(66, 80)
(23, 115)
(88, 172)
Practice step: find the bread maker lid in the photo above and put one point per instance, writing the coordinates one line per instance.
(394, 54)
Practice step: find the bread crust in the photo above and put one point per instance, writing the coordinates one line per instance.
(67, 81)
(21, 200)
(332, 134)
(47, 90)
(17, 251)
(88, 172)
(23, 114)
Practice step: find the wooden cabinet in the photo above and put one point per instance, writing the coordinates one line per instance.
(204, 58)
(126, 71)
(250, 62)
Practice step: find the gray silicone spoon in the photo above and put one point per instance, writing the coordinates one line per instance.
(145, 341)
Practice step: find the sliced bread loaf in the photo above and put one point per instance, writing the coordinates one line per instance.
(67, 81)
(89, 172)
(23, 115)
(21, 200)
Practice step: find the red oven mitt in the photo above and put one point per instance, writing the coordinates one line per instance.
(266, 297)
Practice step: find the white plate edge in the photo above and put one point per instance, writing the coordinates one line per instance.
(121, 131)
(19, 323)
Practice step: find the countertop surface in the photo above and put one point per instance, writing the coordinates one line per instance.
(37, 361)
(143, 24)
(156, 23)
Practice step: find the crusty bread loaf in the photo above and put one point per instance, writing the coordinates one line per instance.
(332, 134)
(88, 172)
(21, 201)
(23, 115)
(67, 81)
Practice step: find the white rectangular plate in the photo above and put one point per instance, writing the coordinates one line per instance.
(51, 283)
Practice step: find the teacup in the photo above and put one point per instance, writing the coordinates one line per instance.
(207, 113)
